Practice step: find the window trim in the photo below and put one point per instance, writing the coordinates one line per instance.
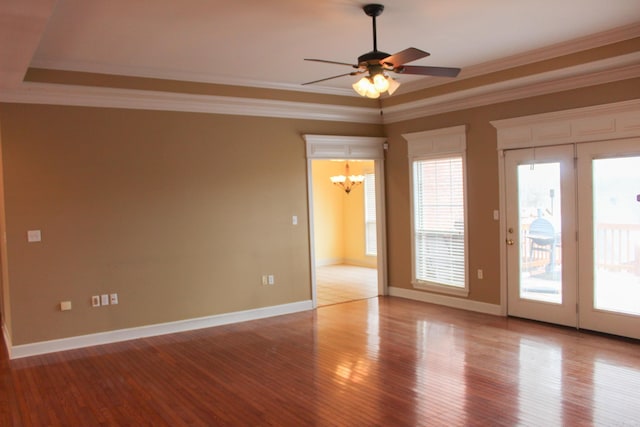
(366, 231)
(429, 145)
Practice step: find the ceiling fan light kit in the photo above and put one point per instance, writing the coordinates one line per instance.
(377, 64)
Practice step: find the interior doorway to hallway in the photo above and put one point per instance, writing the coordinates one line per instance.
(347, 228)
(345, 247)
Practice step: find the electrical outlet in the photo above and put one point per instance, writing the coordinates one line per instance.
(265, 280)
(113, 299)
(95, 301)
(65, 305)
(271, 279)
(480, 274)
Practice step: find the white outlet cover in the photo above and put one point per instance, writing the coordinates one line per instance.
(34, 236)
(104, 299)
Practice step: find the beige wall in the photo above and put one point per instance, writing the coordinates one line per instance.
(5, 299)
(482, 179)
(339, 229)
(179, 213)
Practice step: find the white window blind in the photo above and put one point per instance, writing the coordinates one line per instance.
(439, 245)
(371, 244)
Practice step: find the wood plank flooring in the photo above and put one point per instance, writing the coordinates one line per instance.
(377, 362)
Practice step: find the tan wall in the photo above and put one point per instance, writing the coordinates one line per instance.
(179, 213)
(5, 298)
(482, 179)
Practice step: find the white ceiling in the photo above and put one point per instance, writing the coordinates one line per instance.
(263, 43)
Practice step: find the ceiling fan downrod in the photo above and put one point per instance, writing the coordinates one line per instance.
(374, 10)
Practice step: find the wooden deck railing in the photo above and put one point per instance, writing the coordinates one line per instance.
(617, 248)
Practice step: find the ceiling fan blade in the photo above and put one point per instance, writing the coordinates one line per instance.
(428, 71)
(408, 55)
(353, 73)
(331, 62)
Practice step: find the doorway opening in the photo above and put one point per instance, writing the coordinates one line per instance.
(345, 254)
(347, 229)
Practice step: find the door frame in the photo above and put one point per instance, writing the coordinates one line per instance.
(605, 122)
(333, 147)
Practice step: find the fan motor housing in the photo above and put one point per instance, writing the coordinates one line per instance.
(373, 57)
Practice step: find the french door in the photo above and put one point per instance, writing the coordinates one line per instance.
(541, 234)
(609, 218)
(573, 235)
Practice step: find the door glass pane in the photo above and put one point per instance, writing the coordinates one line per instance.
(616, 222)
(540, 230)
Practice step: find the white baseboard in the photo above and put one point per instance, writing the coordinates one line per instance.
(329, 261)
(465, 304)
(26, 350)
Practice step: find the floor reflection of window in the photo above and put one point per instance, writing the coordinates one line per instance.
(440, 371)
(616, 394)
(540, 382)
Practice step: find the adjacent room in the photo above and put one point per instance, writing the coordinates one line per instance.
(319, 213)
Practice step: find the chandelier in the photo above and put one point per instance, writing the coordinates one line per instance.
(346, 181)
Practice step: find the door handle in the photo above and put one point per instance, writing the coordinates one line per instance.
(510, 242)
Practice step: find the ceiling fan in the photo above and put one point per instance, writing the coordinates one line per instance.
(377, 63)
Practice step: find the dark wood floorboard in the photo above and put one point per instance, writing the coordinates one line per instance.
(377, 362)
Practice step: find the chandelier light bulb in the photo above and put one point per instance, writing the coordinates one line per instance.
(381, 82)
(372, 92)
(362, 86)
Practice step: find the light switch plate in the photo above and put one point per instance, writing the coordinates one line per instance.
(34, 236)
(104, 299)
(65, 305)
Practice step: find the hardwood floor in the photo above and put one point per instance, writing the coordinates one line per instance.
(341, 283)
(382, 361)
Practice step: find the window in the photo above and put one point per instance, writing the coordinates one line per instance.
(437, 160)
(371, 243)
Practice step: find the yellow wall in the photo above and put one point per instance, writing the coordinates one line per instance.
(339, 217)
(328, 218)
(179, 213)
(354, 236)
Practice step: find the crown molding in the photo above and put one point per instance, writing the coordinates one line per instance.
(48, 93)
(186, 76)
(536, 55)
(597, 72)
